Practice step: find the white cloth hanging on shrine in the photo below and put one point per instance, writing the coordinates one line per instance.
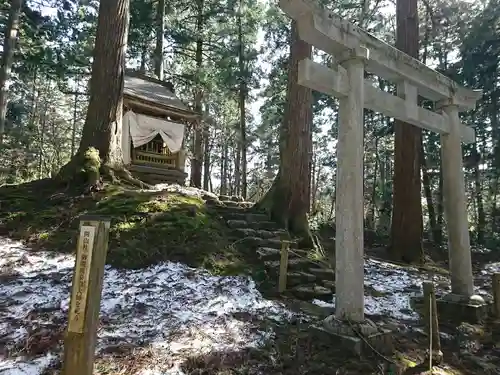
(144, 128)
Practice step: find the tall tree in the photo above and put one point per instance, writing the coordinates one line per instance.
(288, 199)
(10, 35)
(197, 160)
(103, 124)
(160, 35)
(407, 223)
(242, 99)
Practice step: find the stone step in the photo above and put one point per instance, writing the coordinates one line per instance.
(267, 225)
(292, 282)
(294, 264)
(300, 278)
(328, 284)
(277, 233)
(269, 253)
(256, 242)
(244, 232)
(249, 217)
(264, 234)
(236, 204)
(252, 242)
(221, 207)
(235, 224)
(322, 273)
(275, 243)
(321, 312)
(311, 292)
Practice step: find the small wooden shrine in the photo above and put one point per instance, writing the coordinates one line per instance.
(154, 122)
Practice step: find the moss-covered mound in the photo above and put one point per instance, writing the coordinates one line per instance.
(147, 226)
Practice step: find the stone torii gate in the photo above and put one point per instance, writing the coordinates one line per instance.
(354, 51)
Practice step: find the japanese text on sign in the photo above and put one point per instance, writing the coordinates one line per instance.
(81, 279)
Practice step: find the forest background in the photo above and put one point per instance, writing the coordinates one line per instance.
(229, 59)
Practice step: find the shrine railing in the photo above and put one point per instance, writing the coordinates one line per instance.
(149, 158)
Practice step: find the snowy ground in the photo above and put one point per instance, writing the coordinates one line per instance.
(169, 307)
(389, 287)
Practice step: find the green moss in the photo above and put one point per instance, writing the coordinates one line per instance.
(44, 236)
(404, 360)
(92, 161)
(153, 206)
(147, 227)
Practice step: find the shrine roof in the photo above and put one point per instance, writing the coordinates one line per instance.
(156, 92)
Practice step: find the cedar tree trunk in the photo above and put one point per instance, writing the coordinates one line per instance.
(103, 125)
(407, 223)
(11, 31)
(288, 200)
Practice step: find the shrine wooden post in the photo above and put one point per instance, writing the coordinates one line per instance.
(83, 315)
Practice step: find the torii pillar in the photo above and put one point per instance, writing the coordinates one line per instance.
(349, 213)
(461, 304)
(349, 319)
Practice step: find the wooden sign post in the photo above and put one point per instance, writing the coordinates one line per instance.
(285, 246)
(432, 324)
(83, 316)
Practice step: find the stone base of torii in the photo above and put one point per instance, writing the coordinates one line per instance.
(357, 337)
(355, 51)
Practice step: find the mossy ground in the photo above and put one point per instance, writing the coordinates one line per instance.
(146, 227)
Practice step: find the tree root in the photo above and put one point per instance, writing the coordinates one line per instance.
(124, 175)
(300, 227)
(73, 174)
(276, 204)
(116, 176)
(109, 173)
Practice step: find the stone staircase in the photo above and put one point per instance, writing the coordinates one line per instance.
(307, 279)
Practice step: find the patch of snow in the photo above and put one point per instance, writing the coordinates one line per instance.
(178, 310)
(155, 371)
(482, 284)
(393, 286)
(443, 335)
(169, 306)
(321, 303)
(491, 268)
(479, 249)
(27, 367)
